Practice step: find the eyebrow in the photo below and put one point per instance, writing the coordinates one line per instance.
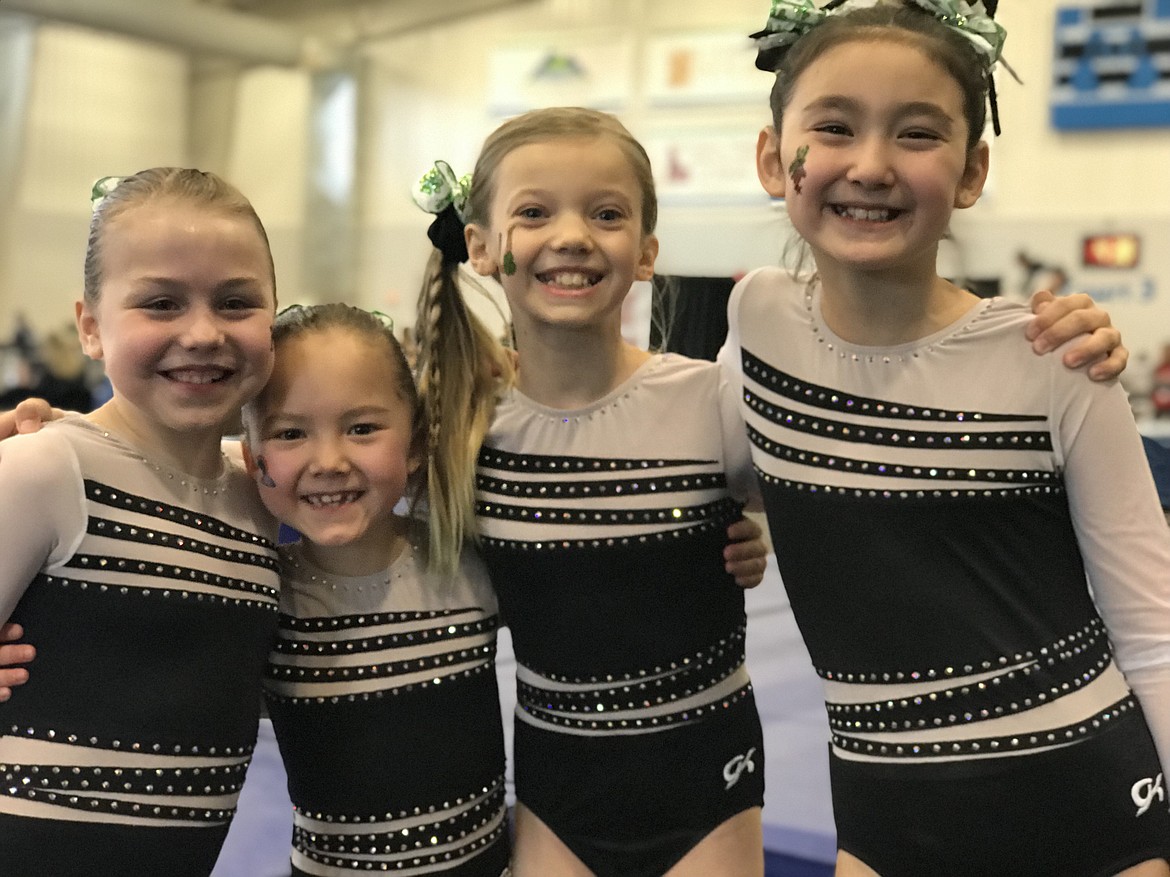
(297, 417)
(911, 108)
(169, 284)
(600, 195)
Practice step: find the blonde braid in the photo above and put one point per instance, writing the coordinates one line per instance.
(460, 370)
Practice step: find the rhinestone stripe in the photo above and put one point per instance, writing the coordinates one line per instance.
(264, 595)
(54, 735)
(221, 780)
(732, 644)
(404, 840)
(147, 793)
(145, 536)
(990, 746)
(114, 807)
(492, 458)
(408, 639)
(834, 400)
(615, 487)
(655, 722)
(614, 695)
(117, 498)
(453, 646)
(415, 820)
(317, 624)
(379, 694)
(634, 695)
(1090, 633)
(720, 509)
(883, 434)
(611, 542)
(870, 493)
(383, 670)
(893, 470)
(1015, 691)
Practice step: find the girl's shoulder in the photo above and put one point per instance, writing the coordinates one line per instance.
(57, 443)
(765, 296)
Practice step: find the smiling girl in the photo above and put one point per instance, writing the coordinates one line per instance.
(382, 685)
(136, 557)
(607, 481)
(941, 494)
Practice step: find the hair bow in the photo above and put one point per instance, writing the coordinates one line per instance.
(101, 189)
(972, 21)
(789, 20)
(441, 192)
(439, 187)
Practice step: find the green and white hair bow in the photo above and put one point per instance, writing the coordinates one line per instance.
(439, 188)
(101, 189)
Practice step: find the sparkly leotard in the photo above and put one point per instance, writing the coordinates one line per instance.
(603, 529)
(382, 691)
(152, 600)
(936, 507)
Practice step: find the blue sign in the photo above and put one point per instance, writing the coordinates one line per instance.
(1112, 65)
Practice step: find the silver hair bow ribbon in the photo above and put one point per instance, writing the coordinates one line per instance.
(789, 20)
(101, 189)
(439, 188)
(972, 21)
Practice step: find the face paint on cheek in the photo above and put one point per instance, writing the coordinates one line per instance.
(265, 478)
(796, 169)
(509, 261)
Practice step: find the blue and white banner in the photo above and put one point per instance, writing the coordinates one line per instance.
(1112, 65)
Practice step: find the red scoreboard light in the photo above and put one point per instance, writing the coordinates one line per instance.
(1111, 251)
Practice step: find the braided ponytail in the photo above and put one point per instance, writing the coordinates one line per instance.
(461, 367)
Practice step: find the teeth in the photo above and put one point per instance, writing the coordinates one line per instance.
(571, 280)
(862, 214)
(196, 376)
(318, 500)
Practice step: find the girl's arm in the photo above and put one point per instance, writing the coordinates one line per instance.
(38, 492)
(41, 487)
(1123, 538)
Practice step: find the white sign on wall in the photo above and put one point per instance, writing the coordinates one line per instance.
(597, 75)
(705, 167)
(704, 69)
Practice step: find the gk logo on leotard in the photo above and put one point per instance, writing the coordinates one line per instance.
(736, 768)
(1144, 793)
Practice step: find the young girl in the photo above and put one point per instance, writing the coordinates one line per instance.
(603, 486)
(940, 493)
(606, 482)
(136, 557)
(382, 685)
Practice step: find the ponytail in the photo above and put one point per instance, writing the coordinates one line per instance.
(461, 369)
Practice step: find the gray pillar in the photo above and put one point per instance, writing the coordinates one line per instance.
(17, 43)
(331, 218)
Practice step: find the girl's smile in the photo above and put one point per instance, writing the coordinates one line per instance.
(334, 440)
(882, 136)
(182, 323)
(568, 211)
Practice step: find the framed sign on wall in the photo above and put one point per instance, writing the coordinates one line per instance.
(1112, 65)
